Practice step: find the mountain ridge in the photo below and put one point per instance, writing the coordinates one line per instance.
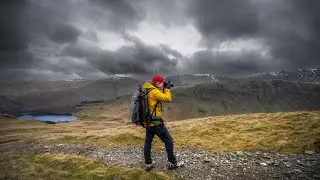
(47, 97)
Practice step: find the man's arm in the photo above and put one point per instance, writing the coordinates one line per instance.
(162, 96)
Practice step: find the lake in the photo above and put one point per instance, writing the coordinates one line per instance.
(49, 117)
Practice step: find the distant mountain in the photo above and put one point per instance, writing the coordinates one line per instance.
(243, 96)
(233, 97)
(193, 79)
(194, 95)
(61, 96)
(17, 89)
(7, 103)
(106, 89)
(304, 75)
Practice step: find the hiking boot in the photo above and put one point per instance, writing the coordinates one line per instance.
(148, 167)
(176, 165)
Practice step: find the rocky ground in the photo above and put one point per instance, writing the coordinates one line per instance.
(198, 164)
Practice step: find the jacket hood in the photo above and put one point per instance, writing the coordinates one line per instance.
(148, 85)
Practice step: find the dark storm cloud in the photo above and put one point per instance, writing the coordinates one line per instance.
(69, 36)
(16, 60)
(14, 55)
(118, 15)
(224, 63)
(291, 29)
(136, 58)
(294, 35)
(224, 19)
(148, 53)
(32, 32)
(24, 25)
(12, 39)
(171, 51)
(166, 12)
(64, 34)
(221, 21)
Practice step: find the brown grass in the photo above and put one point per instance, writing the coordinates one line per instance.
(283, 132)
(58, 166)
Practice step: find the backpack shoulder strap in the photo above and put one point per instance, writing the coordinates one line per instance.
(149, 90)
(154, 109)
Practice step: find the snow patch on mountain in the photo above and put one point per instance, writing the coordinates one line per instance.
(208, 76)
(306, 75)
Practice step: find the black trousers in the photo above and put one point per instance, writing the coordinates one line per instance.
(162, 132)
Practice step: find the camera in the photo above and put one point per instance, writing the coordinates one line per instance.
(168, 85)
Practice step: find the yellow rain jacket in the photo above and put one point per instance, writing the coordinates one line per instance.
(157, 95)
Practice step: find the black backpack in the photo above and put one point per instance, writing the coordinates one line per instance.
(139, 107)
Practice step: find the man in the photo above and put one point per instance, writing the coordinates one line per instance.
(156, 96)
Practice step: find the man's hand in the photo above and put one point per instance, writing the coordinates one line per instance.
(167, 85)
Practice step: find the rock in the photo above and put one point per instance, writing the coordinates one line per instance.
(214, 165)
(287, 164)
(196, 155)
(317, 176)
(270, 163)
(244, 169)
(8, 116)
(287, 173)
(239, 153)
(297, 170)
(235, 165)
(309, 152)
(58, 145)
(248, 153)
(229, 157)
(263, 164)
(300, 163)
(266, 156)
(233, 155)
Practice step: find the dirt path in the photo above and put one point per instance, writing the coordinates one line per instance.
(198, 164)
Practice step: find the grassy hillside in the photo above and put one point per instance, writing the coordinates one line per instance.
(282, 132)
(60, 166)
(230, 97)
(60, 96)
(290, 132)
(201, 100)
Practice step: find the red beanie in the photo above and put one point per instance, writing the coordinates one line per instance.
(157, 78)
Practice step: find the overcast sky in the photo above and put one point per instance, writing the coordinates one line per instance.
(70, 39)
